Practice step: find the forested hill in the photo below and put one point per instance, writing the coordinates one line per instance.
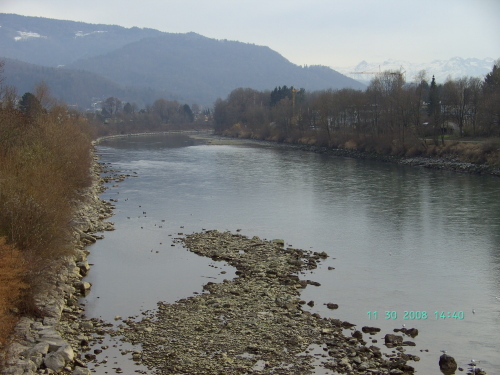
(191, 67)
(78, 87)
(196, 66)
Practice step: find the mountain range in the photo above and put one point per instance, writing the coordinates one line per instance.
(81, 62)
(454, 68)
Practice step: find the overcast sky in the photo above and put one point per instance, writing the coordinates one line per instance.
(334, 33)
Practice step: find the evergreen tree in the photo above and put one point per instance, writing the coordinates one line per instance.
(492, 80)
(434, 104)
(434, 109)
(30, 105)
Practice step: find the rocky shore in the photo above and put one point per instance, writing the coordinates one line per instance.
(46, 345)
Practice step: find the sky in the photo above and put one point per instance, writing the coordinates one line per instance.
(333, 33)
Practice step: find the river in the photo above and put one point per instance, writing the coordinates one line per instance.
(406, 245)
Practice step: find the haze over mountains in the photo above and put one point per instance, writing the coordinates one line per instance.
(455, 68)
(81, 61)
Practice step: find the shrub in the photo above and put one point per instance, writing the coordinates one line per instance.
(413, 151)
(44, 162)
(490, 146)
(12, 271)
(350, 145)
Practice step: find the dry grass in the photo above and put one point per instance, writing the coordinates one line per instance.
(487, 152)
(12, 285)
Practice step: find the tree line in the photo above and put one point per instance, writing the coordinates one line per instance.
(391, 116)
(115, 117)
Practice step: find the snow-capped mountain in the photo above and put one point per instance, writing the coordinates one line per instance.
(456, 67)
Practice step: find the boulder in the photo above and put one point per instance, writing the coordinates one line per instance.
(447, 364)
(412, 332)
(81, 371)
(370, 330)
(357, 335)
(86, 238)
(55, 361)
(84, 267)
(67, 353)
(83, 287)
(393, 340)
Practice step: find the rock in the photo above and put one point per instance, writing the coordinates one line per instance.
(87, 325)
(332, 306)
(393, 340)
(447, 364)
(55, 361)
(357, 335)
(84, 267)
(412, 332)
(67, 353)
(83, 287)
(279, 242)
(408, 343)
(90, 357)
(41, 348)
(86, 238)
(81, 371)
(370, 330)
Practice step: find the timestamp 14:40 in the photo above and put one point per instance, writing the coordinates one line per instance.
(417, 315)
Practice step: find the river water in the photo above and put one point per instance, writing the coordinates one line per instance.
(399, 239)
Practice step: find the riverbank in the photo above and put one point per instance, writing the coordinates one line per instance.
(435, 162)
(442, 163)
(42, 344)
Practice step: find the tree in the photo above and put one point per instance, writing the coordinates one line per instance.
(30, 105)
(434, 109)
(474, 97)
(42, 93)
(279, 93)
(2, 64)
(492, 79)
(8, 97)
(491, 101)
(187, 113)
(112, 105)
(221, 120)
(421, 91)
(128, 109)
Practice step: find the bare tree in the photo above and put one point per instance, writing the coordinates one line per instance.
(42, 93)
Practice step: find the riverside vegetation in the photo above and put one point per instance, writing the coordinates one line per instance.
(391, 117)
(44, 165)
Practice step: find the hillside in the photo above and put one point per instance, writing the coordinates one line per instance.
(191, 67)
(51, 42)
(198, 67)
(76, 86)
